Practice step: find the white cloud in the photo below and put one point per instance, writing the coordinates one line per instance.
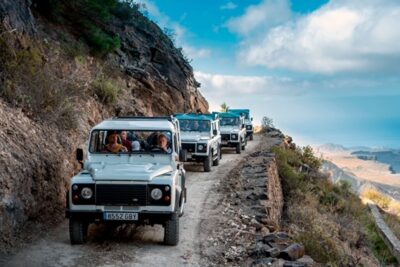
(179, 31)
(229, 6)
(194, 52)
(238, 90)
(342, 36)
(262, 16)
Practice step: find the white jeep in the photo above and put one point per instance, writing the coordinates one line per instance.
(201, 138)
(233, 131)
(132, 175)
(248, 121)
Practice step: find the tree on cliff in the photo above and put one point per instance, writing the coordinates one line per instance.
(267, 122)
(224, 107)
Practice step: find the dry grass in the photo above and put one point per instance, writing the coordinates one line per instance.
(382, 200)
(335, 227)
(393, 221)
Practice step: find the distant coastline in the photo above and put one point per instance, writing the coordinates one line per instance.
(390, 157)
(363, 167)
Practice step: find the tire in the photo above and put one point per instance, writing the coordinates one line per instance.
(216, 161)
(238, 147)
(251, 137)
(244, 145)
(208, 163)
(171, 231)
(77, 232)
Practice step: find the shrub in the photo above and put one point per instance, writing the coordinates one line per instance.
(327, 216)
(379, 198)
(106, 90)
(101, 42)
(31, 84)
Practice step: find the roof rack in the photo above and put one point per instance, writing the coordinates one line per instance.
(170, 118)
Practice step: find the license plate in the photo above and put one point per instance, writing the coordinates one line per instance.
(120, 216)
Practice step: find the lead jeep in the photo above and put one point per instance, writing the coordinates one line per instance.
(233, 131)
(201, 138)
(248, 121)
(132, 175)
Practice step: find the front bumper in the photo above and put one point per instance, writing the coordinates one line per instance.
(97, 216)
(229, 143)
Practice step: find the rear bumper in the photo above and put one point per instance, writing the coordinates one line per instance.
(98, 216)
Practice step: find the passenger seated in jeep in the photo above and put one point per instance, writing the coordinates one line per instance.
(113, 145)
(162, 143)
(125, 142)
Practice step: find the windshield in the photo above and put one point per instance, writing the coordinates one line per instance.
(195, 125)
(230, 121)
(128, 141)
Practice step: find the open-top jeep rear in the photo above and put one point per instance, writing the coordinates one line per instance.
(248, 121)
(201, 138)
(132, 175)
(233, 131)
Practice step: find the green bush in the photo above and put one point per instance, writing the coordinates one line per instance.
(101, 42)
(106, 90)
(88, 18)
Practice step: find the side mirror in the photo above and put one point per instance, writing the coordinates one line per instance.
(215, 132)
(79, 156)
(251, 118)
(243, 125)
(183, 155)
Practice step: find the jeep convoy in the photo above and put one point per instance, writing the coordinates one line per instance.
(248, 121)
(133, 172)
(201, 138)
(233, 131)
(143, 183)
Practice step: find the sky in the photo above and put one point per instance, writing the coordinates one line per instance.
(325, 71)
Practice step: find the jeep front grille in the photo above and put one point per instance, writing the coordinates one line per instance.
(189, 147)
(225, 137)
(121, 194)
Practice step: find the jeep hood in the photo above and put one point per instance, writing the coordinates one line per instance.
(193, 137)
(230, 129)
(125, 172)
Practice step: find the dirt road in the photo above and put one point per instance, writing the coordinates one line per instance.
(130, 245)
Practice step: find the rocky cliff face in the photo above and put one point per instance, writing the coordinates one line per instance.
(53, 91)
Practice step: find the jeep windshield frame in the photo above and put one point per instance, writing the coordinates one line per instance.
(99, 139)
(227, 121)
(202, 125)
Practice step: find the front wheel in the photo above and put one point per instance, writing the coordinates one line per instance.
(238, 146)
(171, 231)
(216, 160)
(77, 231)
(208, 162)
(251, 137)
(244, 145)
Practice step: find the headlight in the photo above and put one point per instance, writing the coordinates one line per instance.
(156, 194)
(201, 147)
(86, 193)
(234, 136)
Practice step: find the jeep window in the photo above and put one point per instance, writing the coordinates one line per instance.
(130, 141)
(195, 125)
(230, 121)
